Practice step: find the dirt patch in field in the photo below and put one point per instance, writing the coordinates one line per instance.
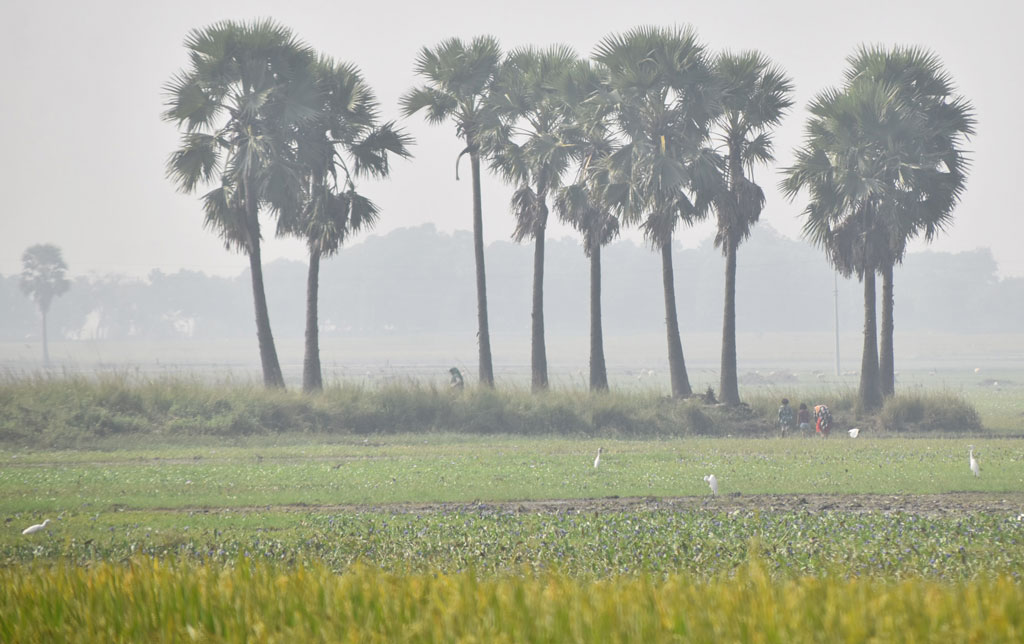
(920, 504)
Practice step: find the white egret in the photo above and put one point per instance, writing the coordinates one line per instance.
(975, 468)
(712, 483)
(32, 529)
(597, 459)
(853, 432)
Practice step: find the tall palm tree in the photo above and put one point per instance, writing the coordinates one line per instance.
(531, 147)
(926, 202)
(246, 89)
(755, 96)
(582, 203)
(343, 143)
(43, 277)
(860, 141)
(662, 92)
(458, 80)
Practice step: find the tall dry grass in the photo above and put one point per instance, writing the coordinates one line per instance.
(151, 600)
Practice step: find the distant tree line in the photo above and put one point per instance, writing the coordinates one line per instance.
(653, 130)
(420, 281)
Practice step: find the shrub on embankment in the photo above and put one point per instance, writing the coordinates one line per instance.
(78, 411)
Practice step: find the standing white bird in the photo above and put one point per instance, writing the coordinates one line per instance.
(713, 483)
(853, 432)
(597, 459)
(975, 468)
(32, 529)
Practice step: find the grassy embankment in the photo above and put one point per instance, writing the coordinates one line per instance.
(114, 411)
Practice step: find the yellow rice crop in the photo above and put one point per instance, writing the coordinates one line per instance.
(153, 601)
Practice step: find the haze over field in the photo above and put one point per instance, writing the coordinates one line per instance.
(84, 147)
(399, 304)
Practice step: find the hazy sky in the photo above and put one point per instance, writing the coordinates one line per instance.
(83, 148)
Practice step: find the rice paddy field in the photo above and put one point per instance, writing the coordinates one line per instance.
(438, 537)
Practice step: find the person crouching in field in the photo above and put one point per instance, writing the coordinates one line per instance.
(785, 417)
(803, 418)
(824, 420)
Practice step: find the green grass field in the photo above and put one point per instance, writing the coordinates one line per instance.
(451, 501)
(440, 468)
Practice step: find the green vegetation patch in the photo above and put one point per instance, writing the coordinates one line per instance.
(495, 539)
(403, 469)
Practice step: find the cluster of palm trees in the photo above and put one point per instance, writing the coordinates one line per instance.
(883, 162)
(654, 131)
(277, 128)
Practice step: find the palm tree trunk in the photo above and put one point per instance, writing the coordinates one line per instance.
(886, 357)
(729, 391)
(483, 331)
(46, 344)
(538, 352)
(312, 377)
(676, 364)
(870, 387)
(272, 377)
(598, 371)
(268, 353)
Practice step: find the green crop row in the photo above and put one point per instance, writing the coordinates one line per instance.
(699, 542)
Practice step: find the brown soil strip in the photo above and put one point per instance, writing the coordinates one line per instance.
(959, 503)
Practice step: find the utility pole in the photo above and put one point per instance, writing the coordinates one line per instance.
(835, 296)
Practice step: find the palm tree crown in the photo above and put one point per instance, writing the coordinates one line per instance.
(459, 77)
(755, 95)
(664, 95)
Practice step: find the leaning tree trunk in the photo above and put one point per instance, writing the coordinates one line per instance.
(886, 361)
(268, 353)
(46, 344)
(870, 386)
(483, 331)
(538, 352)
(676, 364)
(312, 376)
(598, 371)
(729, 391)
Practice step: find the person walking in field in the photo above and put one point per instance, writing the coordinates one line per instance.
(823, 420)
(803, 418)
(785, 417)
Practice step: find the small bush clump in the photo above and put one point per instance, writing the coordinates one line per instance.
(946, 413)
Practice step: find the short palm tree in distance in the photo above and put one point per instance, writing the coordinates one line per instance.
(458, 79)
(247, 88)
(43, 277)
(755, 96)
(343, 143)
